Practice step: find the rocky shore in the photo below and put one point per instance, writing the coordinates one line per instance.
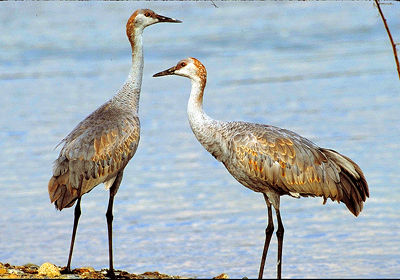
(48, 270)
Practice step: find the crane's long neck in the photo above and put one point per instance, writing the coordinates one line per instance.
(129, 94)
(207, 130)
(195, 105)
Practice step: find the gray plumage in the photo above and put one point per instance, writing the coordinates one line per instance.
(95, 151)
(278, 161)
(99, 147)
(103, 143)
(271, 160)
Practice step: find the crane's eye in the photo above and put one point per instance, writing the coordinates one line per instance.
(147, 14)
(183, 64)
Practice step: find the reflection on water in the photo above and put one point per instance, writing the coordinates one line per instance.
(324, 70)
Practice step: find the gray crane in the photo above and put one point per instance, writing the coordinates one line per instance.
(271, 160)
(99, 147)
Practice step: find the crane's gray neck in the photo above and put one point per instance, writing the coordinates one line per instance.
(208, 131)
(129, 94)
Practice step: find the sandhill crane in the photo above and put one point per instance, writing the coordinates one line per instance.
(99, 147)
(271, 160)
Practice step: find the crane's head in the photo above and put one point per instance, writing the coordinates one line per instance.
(189, 67)
(142, 18)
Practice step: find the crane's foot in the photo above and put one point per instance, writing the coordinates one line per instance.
(66, 270)
(111, 274)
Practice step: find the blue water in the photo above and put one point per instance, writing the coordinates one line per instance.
(323, 69)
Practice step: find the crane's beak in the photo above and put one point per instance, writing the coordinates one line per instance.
(170, 71)
(166, 19)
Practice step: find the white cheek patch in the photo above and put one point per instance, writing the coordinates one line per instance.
(184, 71)
(143, 20)
(140, 19)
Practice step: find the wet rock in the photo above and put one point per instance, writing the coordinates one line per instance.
(49, 270)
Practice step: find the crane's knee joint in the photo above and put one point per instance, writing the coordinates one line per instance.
(280, 232)
(77, 211)
(269, 230)
(109, 216)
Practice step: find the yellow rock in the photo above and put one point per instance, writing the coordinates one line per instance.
(49, 270)
(3, 270)
(222, 276)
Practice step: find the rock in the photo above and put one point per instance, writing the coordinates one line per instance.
(30, 268)
(83, 270)
(222, 276)
(86, 272)
(49, 270)
(15, 271)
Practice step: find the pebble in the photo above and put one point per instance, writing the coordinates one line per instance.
(49, 270)
(15, 271)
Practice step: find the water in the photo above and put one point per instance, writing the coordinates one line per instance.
(323, 69)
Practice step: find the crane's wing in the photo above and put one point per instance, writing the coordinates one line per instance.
(291, 164)
(93, 153)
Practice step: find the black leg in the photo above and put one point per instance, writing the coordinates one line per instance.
(109, 216)
(279, 235)
(268, 234)
(77, 214)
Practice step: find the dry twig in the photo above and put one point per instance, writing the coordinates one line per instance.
(390, 37)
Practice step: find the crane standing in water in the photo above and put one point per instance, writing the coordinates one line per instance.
(271, 160)
(99, 147)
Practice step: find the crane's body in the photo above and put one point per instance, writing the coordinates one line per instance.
(99, 147)
(277, 162)
(95, 151)
(271, 160)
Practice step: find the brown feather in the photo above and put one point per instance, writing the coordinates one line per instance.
(284, 162)
(352, 181)
(93, 153)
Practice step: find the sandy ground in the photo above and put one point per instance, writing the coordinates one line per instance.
(47, 270)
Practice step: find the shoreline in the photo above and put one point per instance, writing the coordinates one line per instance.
(48, 270)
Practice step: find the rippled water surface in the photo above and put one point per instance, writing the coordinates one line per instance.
(323, 69)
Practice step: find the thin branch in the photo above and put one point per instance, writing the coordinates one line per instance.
(390, 37)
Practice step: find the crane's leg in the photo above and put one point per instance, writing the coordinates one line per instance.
(109, 216)
(268, 234)
(77, 214)
(279, 235)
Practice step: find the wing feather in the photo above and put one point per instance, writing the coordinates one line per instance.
(275, 159)
(281, 160)
(93, 153)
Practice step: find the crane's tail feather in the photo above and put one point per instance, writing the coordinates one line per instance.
(352, 181)
(60, 193)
